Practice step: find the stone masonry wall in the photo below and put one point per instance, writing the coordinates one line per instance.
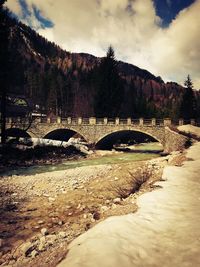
(174, 141)
(93, 132)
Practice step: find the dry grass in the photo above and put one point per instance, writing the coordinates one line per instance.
(133, 183)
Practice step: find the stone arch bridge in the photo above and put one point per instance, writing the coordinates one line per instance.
(94, 129)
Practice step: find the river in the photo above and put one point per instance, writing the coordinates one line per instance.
(137, 153)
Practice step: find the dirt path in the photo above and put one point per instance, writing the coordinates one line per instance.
(41, 214)
(163, 232)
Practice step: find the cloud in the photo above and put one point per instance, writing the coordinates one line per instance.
(131, 26)
(14, 6)
(177, 47)
(29, 14)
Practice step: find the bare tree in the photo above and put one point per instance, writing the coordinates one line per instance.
(4, 33)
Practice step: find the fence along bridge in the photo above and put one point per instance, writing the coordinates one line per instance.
(93, 130)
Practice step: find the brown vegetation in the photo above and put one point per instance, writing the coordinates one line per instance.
(133, 183)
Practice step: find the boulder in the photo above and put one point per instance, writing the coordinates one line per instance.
(44, 231)
(117, 200)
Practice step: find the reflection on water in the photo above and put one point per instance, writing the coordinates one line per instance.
(106, 159)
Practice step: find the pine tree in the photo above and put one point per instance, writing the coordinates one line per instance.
(109, 87)
(188, 104)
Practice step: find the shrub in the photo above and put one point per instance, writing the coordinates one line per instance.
(134, 183)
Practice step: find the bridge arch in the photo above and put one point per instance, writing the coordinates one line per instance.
(95, 129)
(17, 132)
(62, 134)
(127, 136)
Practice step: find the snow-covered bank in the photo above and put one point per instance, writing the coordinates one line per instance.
(190, 129)
(164, 232)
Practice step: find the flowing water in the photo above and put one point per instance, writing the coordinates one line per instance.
(146, 152)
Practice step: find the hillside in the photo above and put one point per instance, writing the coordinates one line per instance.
(64, 82)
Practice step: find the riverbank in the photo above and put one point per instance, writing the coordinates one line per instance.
(42, 213)
(13, 157)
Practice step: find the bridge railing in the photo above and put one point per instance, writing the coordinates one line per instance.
(111, 121)
(147, 122)
(123, 121)
(135, 121)
(85, 121)
(159, 122)
(74, 121)
(108, 121)
(99, 121)
(64, 120)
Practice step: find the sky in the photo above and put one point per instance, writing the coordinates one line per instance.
(161, 36)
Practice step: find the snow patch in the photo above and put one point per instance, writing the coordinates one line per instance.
(164, 231)
(190, 129)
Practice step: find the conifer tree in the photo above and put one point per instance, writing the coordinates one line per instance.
(109, 87)
(188, 104)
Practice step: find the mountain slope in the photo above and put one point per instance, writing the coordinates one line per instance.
(64, 82)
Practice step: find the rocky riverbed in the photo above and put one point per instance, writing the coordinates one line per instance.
(42, 213)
